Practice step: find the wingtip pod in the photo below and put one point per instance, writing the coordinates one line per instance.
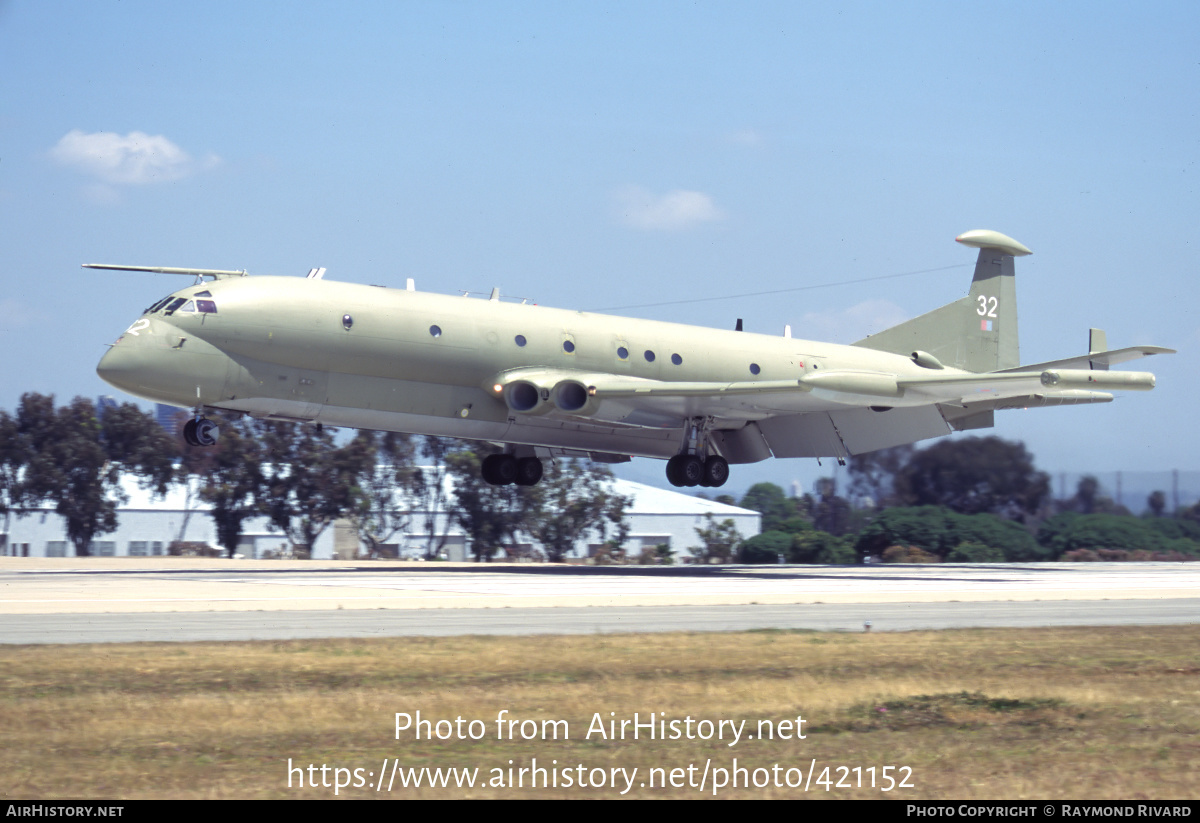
(1104, 380)
(986, 239)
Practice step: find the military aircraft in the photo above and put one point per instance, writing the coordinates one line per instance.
(547, 382)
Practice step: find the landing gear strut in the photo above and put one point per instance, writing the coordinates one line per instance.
(694, 466)
(200, 431)
(503, 469)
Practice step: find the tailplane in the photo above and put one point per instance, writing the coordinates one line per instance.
(977, 333)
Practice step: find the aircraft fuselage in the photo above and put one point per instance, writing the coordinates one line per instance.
(370, 357)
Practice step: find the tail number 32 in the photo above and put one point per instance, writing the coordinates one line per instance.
(987, 306)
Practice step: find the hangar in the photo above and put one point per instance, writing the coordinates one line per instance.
(147, 525)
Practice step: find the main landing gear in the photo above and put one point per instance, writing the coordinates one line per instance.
(690, 470)
(694, 466)
(200, 431)
(503, 469)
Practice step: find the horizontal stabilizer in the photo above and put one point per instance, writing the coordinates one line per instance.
(1107, 358)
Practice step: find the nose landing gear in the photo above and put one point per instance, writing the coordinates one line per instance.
(200, 431)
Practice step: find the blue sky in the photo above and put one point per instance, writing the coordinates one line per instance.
(600, 155)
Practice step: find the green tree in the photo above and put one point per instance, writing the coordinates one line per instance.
(1090, 499)
(15, 454)
(76, 461)
(434, 491)
(831, 512)
(968, 552)
(922, 526)
(491, 516)
(309, 481)
(873, 475)
(232, 482)
(393, 487)
(765, 548)
(84, 484)
(572, 500)
(975, 475)
(1070, 531)
(769, 500)
(134, 440)
(721, 540)
(938, 530)
(193, 466)
(1013, 541)
(821, 547)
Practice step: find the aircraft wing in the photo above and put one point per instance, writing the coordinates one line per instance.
(630, 400)
(659, 388)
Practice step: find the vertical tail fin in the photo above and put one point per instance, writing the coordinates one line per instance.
(977, 333)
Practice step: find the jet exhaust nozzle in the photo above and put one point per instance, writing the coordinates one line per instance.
(573, 397)
(526, 397)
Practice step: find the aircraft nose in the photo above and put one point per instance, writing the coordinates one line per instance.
(119, 367)
(150, 361)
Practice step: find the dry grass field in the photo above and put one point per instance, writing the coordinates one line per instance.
(1108, 713)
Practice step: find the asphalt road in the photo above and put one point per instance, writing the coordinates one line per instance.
(106, 600)
(287, 625)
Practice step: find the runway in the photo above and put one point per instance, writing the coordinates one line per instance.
(176, 599)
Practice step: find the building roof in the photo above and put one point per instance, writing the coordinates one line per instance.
(653, 500)
(646, 500)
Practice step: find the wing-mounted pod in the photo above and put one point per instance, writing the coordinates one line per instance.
(854, 383)
(1106, 380)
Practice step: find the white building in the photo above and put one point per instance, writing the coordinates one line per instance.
(147, 525)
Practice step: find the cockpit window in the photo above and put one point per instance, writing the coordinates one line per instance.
(175, 304)
(206, 306)
(158, 305)
(205, 293)
(189, 307)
